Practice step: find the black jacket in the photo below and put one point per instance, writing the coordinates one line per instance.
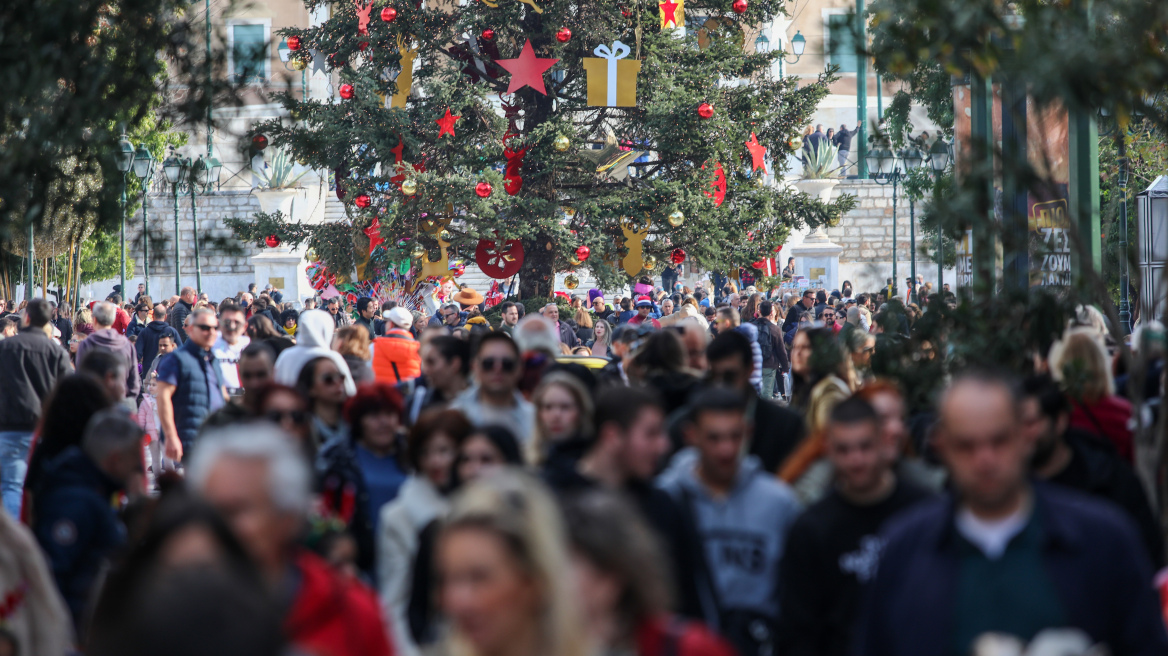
(30, 364)
(776, 430)
(177, 316)
(793, 316)
(147, 344)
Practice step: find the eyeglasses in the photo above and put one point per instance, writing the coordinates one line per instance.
(278, 416)
(206, 328)
(506, 364)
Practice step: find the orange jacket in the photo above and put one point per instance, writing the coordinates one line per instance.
(395, 356)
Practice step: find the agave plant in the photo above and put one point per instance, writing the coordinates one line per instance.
(820, 162)
(280, 172)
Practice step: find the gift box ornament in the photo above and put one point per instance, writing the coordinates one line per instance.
(612, 79)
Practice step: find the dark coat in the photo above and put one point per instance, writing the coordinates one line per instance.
(776, 430)
(177, 315)
(1091, 551)
(147, 344)
(30, 362)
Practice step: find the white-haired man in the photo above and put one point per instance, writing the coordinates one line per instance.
(551, 312)
(107, 337)
(260, 482)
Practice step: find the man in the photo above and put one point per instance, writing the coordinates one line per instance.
(366, 311)
(1079, 460)
(666, 307)
(106, 336)
(861, 346)
(9, 325)
(834, 546)
(190, 385)
(729, 320)
(826, 314)
(494, 399)
(275, 294)
(615, 372)
(121, 317)
(1001, 554)
(843, 141)
(180, 310)
(510, 317)
(770, 346)
(75, 523)
(256, 368)
(644, 309)
(139, 320)
(567, 336)
(63, 323)
(30, 364)
(804, 305)
(310, 303)
(231, 342)
(334, 309)
(451, 317)
(741, 514)
(258, 480)
(166, 344)
(445, 364)
(695, 337)
(776, 430)
(379, 322)
(395, 356)
(140, 294)
(108, 368)
(600, 309)
(815, 139)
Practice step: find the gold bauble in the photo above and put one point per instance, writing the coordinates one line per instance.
(562, 143)
(418, 252)
(445, 236)
(297, 64)
(571, 281)
(650, 262)
(676, 218)
(568, 211)
(311, 255)
(409, 187)
(573, 260)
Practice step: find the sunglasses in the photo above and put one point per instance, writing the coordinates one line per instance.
(206, 328)
(296, 416)
(331, 379)
(507, 365)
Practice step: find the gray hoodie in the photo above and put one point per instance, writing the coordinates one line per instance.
(742, 534)
(112, 340)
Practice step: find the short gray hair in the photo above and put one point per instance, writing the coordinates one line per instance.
(199, 312)
(288, 475)
(452, 306)
(105, 313)
(110, 431)
(552, 306)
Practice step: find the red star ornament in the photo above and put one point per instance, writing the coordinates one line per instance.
(446, 124)
(668, 10)
(526, 70)
(757, 154)
(373, 232)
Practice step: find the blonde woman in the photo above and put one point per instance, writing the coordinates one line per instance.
(505, 576)
(1081, 365)
(563, 410)
(352, 342)
(601, 339)
(583, 325)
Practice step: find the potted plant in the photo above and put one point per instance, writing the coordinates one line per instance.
(820, 175)
(279, 183)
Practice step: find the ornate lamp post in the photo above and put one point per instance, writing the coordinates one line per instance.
(176, 170)
(1124, 300)
(144, 171)
(204, 177)
(884, 168)
(912, 158)
(125, 159)
(939, 161)
(798, 46)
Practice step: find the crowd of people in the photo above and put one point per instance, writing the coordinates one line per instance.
(722, 472)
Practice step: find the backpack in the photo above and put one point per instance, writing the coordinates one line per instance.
(766, 339)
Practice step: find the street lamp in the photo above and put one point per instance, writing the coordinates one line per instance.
(176, 169)
(939, 161)
(125, 159)
(1124, 300)
(204, 176)
(144, 171)
(798, 46)
(913, 158)
(884, 168)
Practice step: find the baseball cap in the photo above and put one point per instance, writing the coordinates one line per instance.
(399, 316)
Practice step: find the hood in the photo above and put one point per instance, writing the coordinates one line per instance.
(108, 338)
(681, 472)
(157, 326)
(315, 328)
(749, 330)
(72, 468)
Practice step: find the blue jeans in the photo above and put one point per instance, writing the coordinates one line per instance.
(13, 467)
(768, 384)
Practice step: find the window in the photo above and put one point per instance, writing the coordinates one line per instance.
(249, 52)
(841, 42)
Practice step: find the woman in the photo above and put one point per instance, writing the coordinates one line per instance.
(505, 582)
(660, 363)
(846, 290)
(420, 321)
(352, 342)
(584, 329)
(260, 328)
(563, 410)
(1080, 363)
(601, 339)
(323, 384)
(289, 409)
(433, 444)
(621, 583)
(288, 322)
(485, 450)
(750, 310)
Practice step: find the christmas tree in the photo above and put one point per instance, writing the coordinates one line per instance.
(514, 132)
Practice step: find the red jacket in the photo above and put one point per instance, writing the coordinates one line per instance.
(1108, 419)
(121, 321)
(332, 616)
(654, 638)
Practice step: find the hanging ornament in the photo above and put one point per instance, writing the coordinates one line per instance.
(363, 45)
(388, 14)
(446, 124)
(293, 43)
(445, 235)
(739, 6)
(757, 154)
(272, 241)
(418, 252)
(297, 63)
(311, 255)
(676, 218)
(488, 34)
(363, 16)
(562, 143)
(526, 70)
(718, 185)
(483, 189)
(404, 79)
(512, 181)
(582, 253)
(346, 91)
(563, 35)
(409, 187)
(574, 261)
(373, 232)
(499, 259)
(363, 201)
(672, 13)
(677, 256)
(706, 110)
(634, 235)
(650, 262)
(612, 79)
(571, 281)
(759, 264)
(259, 142)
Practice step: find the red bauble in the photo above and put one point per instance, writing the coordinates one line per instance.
(483, 189)
(778, 249)
(272, 241)
(347, 91)
(677, 256)
(739, 6)
(388, 14)
(259, 141)
(757, 265)
(293, 43)
(705, 110)
(363, 201)
(582, 253)
(363, 45)
(488, 34)
(564, 35)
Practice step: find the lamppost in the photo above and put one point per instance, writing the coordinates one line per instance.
(144, 171)
(939, 161)
(884, 168)
(125, 159)
(203, 177)
(913, 158)
(798, 46)
(1124, 301)
(176, 169)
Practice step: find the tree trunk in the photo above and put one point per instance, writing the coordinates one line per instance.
(537, 277)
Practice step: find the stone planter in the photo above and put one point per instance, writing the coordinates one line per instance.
(819, 188)
(817, 258)
(273, 200)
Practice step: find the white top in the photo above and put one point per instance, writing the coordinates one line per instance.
(228, 357)
(992, 535)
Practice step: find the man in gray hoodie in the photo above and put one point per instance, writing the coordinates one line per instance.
(104, 315)
(741, 514)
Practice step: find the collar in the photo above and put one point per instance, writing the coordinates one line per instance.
(1059, 530)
